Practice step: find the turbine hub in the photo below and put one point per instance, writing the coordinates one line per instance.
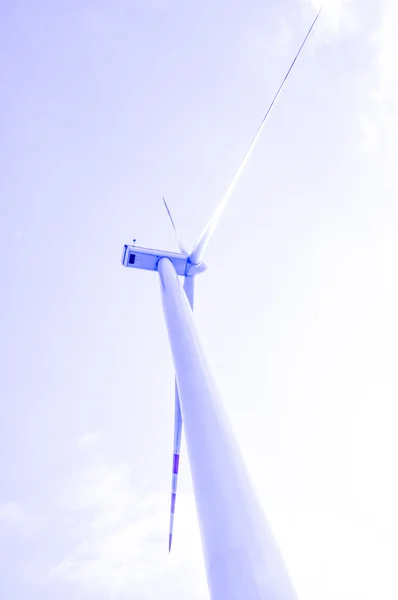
(193, 269)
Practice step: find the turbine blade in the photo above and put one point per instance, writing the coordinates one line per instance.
(179, 242)
(189, 288)
(204, 238)
(176, 461)
(189, 291)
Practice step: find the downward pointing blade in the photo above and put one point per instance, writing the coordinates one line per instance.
(176, 461)
(205, 237)
(189, 288)
(189, 291)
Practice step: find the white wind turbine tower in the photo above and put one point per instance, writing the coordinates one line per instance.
(241, 556)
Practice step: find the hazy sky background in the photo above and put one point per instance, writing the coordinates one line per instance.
(107, 105)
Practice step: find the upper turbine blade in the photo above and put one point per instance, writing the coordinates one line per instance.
(204, 238)
(179, 242)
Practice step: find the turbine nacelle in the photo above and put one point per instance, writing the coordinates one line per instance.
(148, 259)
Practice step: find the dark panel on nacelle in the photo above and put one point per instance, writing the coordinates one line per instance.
(146, 258)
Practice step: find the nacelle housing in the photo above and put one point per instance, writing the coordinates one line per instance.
(146, 258)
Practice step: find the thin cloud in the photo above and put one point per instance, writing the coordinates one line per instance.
(90, 438)
(338, 17)
(15, 518)
(109, 554)
(122, 544)
(380, 124)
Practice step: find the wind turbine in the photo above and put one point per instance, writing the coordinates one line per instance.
(242, 559)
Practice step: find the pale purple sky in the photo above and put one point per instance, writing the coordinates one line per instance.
(106, 106)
